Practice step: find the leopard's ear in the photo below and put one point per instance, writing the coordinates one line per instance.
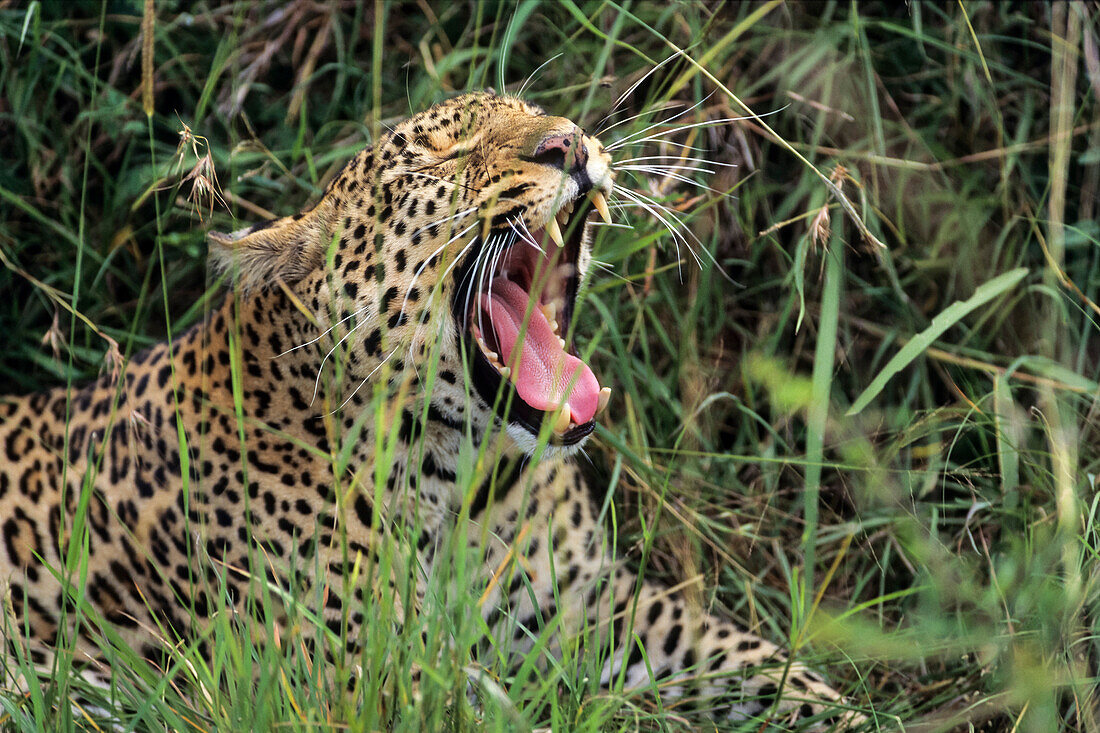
(281, 249)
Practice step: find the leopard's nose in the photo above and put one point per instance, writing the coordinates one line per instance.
(565, 152)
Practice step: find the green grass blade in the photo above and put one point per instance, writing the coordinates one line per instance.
(818, 413)
(945, 320)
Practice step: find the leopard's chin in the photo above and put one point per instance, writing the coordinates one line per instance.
(515, 312)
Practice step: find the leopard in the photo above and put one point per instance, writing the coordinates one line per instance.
(407, 335)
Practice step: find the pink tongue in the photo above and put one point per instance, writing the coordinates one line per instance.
(543, 372)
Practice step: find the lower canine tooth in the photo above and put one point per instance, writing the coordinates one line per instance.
(605, 397)
(506, 372)
(554, 231)
(562, 422)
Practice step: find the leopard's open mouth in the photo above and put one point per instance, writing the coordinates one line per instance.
(516, 307)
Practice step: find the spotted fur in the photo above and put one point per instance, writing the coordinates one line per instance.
(337, 309)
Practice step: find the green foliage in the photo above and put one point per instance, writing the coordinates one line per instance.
(942, 563)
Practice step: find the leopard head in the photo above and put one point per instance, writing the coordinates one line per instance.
(453, 249)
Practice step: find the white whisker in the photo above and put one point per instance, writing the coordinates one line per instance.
(477, 276)
(665, 172)
(457, 259)
(424, 264)
(654, 110)
(474, 275)
(532, 75)
(609, 270)
(679, 128)
(500, 249)
(525, 235)
(365, 380)
(682, 158)
(630, 91)
(623, 141)
(321, 368)
(321, 335)
(652, 207)
(659, 212)
(681, 146)
(456, 215)
(651, 167)
(488, 267)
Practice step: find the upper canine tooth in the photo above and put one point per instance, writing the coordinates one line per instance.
(599, 201)
(554, 231)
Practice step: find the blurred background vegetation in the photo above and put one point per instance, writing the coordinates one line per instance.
(937, 546)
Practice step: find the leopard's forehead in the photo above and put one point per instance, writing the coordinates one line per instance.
(470, 108)
(486, 125)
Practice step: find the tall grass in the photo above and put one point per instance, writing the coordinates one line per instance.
(933, 544)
